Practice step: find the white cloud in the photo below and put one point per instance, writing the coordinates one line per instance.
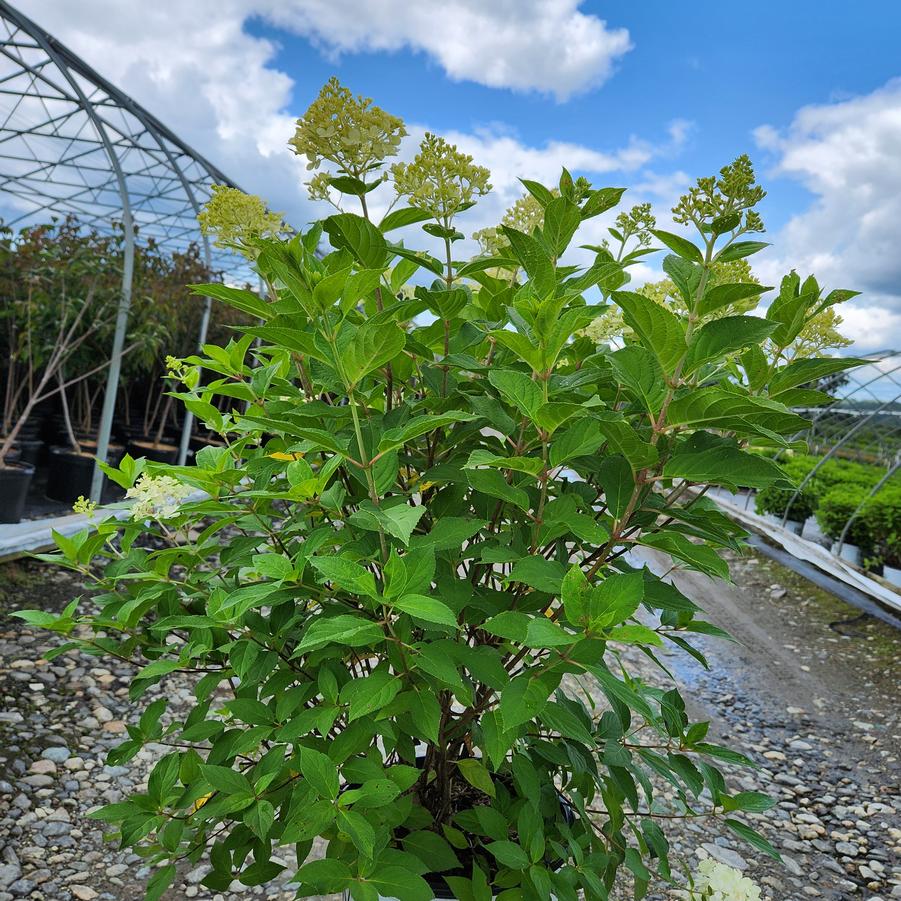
(846, 154)
(197, 68)
(541, 45)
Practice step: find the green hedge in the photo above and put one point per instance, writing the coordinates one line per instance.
(877, 527)
(835, 473)
(775, 501)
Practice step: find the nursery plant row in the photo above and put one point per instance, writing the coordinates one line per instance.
(837, 493)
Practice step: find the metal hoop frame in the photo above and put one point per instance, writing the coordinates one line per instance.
(71, 143)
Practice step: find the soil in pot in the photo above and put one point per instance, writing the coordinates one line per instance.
(157, 452)
(70, 475)
(15, 480)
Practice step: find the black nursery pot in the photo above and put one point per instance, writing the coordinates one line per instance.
(70, 475)
(15, 480)
(30, 450)
(158, 453)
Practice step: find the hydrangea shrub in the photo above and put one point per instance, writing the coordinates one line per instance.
(408, 591)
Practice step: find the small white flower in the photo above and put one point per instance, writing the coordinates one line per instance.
(157, 498)
(715, 881)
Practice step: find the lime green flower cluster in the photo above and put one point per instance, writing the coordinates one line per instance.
(525, 215)
(350, 132)
(637, 223)
(182, 372)
(727, 200)
(236, 220)
(84, 506)
(441, 180)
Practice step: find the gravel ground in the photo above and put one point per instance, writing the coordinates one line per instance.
(812, 700)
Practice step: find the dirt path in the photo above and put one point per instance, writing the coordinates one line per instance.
(811, 688)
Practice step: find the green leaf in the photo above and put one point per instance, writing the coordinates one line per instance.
(600, 201)
(518, 389)
(812, 369)
(531, 631)
(238, 298)
(720, 296)
(491, 482)
(534, 259)
(432, 850)
(226, 780)
(509, 855)
(320, 772)
(373, 345)
(531, 465)
(400, 218)
(753, 802)
(580, 439)
(159, 882)
(753, 838)
(697, 556)
(260, 818)
(401, 883)
(359, 829)
(346, 629)
(677, 244)
(399, 520)
(659, 330)
(524, 698)
(716, 408)
(421, 425)
(326, 875)
(448, 534)
(721, 337)
(561, 219)
(346, 574)
(614, 600)
(429, 609)
(720, 461)
(360, 237)
(623, 439)
(542, 194)
(543, 575)
(476, 774)
(638, 370)
(739, 250)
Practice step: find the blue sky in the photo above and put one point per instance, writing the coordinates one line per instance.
(644, 95)
(722, 72)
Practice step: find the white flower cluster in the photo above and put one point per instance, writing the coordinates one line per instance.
(714, 881)
(157, 498)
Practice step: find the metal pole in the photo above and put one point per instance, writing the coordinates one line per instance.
(115, 366)
(201, 340)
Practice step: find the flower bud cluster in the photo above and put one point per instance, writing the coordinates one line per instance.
(157, 497)
(441, 180)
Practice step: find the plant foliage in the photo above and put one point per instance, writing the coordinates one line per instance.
(410, 594)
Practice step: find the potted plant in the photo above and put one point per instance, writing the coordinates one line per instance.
(836, 507)
(407, 594)
(774, 501)
(884, 511)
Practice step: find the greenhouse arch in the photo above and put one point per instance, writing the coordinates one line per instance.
(73, 144)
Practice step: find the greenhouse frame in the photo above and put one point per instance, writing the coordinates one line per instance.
(73, 144)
